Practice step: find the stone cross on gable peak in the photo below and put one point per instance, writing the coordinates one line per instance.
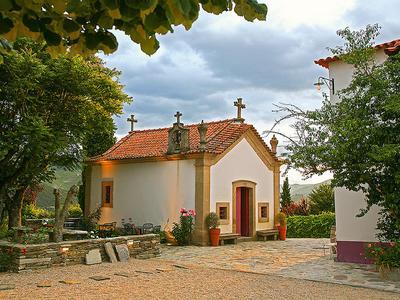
(240, 105)
(133, 121)
(178, 116)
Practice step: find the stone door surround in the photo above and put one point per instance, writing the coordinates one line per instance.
(252, 202)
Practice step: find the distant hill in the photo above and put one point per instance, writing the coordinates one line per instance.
(299, 190)
(64, 180)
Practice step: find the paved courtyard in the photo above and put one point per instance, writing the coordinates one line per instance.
(295, 258)
(158, 279)
(253, 270)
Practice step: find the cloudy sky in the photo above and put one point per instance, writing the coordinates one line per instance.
(202, 71)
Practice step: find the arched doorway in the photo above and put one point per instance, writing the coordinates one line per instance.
(243, 207)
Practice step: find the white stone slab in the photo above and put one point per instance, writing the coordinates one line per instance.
(123, 252)
(110, 252)
(93, 257)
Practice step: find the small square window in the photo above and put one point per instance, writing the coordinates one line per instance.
(223, 212)
(263, 212)
(107, 194)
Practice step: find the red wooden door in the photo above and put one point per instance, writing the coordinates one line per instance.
(245, 213)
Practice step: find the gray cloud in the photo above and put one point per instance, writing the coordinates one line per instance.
(200, 72)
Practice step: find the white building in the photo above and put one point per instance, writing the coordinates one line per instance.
(353, 233)
(223, 166)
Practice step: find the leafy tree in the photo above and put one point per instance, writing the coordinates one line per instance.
(286, 199)
(85, 26)
(32, 193)
(49, 111)
(322, 199)
(100, 140)
(357, 139)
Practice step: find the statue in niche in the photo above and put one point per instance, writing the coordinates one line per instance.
(178, 137)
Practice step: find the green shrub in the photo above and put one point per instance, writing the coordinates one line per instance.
(31, 211)
(7, 257)
(89, 223)
(322, 199)
(312, 226)
(75, 210)
(163, 238)
(4, 229)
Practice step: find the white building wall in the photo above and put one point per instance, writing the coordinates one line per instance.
(242, 163)
(146, 192)
(348, 203)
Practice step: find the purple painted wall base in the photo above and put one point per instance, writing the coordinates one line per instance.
(352, 252)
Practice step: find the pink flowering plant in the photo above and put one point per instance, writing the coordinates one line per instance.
(384, 255)
(182, 231)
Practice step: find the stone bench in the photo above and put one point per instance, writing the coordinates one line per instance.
(264, 234)
(232, 237)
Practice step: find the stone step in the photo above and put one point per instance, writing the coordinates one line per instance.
(243, 239)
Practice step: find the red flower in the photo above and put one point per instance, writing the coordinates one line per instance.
(23, 251)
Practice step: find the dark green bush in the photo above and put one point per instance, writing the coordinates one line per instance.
(312, 226)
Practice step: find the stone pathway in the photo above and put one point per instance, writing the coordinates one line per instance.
(294, 258)
(157, 279)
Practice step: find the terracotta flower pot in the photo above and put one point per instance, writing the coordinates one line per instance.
(214, 236)
(282, 232)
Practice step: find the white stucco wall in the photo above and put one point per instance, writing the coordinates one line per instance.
(343, 73)
(146, 192)
(348, 203)
(241, 163)
(348, 226)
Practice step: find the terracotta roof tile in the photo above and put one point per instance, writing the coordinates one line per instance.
(154, 142)
(391, 47)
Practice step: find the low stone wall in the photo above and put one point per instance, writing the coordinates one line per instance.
(29, 257)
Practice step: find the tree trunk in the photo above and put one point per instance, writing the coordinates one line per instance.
(61, 212)
(2, 212)
(14, 209)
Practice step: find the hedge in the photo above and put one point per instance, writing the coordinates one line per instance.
(312, 226)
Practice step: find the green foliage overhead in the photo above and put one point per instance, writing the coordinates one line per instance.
(322, 199)
(86, 26)
(286, 199)
(358, 138)
(312, 226)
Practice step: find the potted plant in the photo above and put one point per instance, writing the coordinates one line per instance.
(282, 225)
(212, 221)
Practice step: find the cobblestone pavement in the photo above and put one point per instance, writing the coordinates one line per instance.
(294, 258)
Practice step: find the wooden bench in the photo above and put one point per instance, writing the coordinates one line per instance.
(264, 234)
(223, 238)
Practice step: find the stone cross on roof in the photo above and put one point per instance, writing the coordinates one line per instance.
(133, 121)
(240, 105)
(178, 116)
